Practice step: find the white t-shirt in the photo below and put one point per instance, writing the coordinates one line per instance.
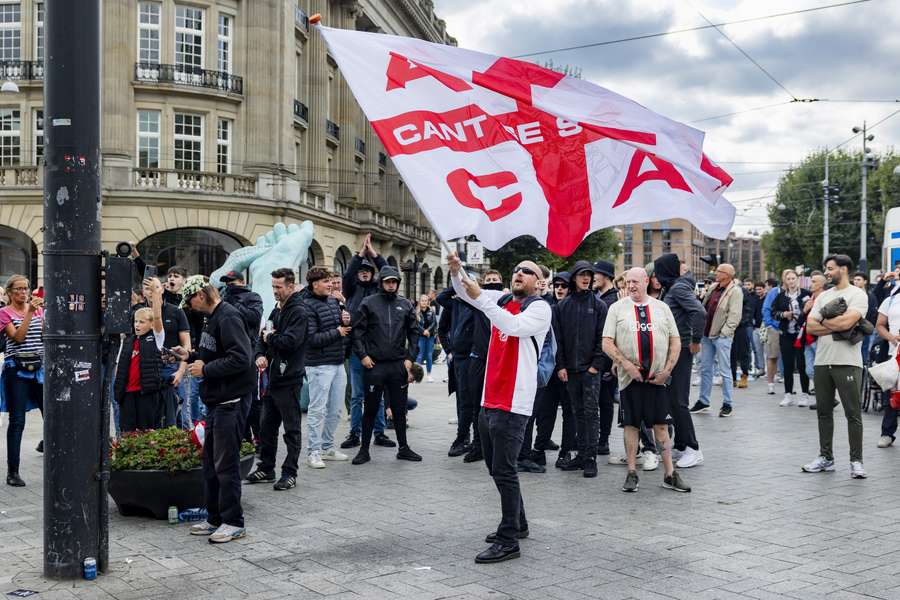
(839, 352)
(890, 308)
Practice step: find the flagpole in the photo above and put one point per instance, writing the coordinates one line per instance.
(316, 19)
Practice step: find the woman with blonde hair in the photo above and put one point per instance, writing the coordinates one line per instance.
(787, 308)
(426, 323)
(23, 373)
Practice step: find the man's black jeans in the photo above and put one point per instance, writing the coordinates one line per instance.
(501, 438)
(584, 393)
(280, 406)
(222, 462)
(465, 412)
(679, 399)
(387, 380)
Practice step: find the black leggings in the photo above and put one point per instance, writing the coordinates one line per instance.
(793, 359)
(389, 379)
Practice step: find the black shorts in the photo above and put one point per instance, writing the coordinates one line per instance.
(645, 403)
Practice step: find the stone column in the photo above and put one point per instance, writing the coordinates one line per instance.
(349, 114)
(317, 156)
(119, 122)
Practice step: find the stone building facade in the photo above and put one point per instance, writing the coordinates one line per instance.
(220, 118)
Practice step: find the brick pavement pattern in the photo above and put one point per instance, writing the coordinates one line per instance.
(754, 526)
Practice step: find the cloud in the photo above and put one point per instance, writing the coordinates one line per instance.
(850, 52)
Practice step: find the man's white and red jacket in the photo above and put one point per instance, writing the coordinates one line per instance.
(510, 380)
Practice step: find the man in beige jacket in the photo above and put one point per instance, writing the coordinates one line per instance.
(724, 302)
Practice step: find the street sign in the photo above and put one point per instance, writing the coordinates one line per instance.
(475, 253)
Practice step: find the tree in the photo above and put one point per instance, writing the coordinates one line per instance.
(797, 238)
(600, 244)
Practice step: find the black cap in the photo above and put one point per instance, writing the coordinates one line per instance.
(605, 268)
(232, 276)
(580, 267)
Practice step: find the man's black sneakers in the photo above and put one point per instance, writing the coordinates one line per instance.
(459, 447)
(725, 411)
(675, 482)
(548, 445)
(562, 460)
(576, 463)
(699, 407)
(384, 441)
(260, 476)
(631, 482)
(285, 483)
(405, 453)
(590, 467)
(473, 455)
(603, 448)
(361, 457)
(520, 535)
(529, 466)
(352, 441)
(497, 553)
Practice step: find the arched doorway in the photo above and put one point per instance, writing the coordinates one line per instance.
(425, 279)
(342, 259)
(18, 255)
(199, 251)
(315, 257)
(392, 260)
(439, 283)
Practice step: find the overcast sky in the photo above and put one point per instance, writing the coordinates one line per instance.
(850, 52)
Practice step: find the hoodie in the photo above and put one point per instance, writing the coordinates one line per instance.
(580, 319)
(249, 305)
(385, 327)
(354, 289)
(285, 349)
(678, 294)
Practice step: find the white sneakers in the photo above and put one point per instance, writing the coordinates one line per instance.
(820, 465)
(226, 533)
(771, 389)
(430, 379)
(787, 401)
(203, 528)
(856, 470)
(885, 441)
(314, 460)
(805, 400)
(690, 458)
(695, 381)
(651, 461)
(332, 454)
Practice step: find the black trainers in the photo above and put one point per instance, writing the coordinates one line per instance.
(259, 476)
(384, 441)
(405, 453)
(675, 482)
(539, 457)
(285, 483)
(699, 407)
(529, 466)
(590, 467)
(631, 482)
(473, 455)
(497, 553)
(576, 463)
(603, 448)
(520, 535)
(361, 457)
(14, 480)
(548, 445)
(562, 460)
(458, 447)
(352, 441)
(725, 410)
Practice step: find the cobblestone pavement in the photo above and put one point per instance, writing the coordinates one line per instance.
(754, 526)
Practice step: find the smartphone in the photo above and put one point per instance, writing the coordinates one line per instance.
(149, 271)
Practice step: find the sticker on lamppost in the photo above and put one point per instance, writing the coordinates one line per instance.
(475, 253)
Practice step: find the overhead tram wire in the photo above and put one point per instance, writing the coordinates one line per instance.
(690, 29)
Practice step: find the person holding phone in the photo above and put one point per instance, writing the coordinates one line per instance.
(23, 376)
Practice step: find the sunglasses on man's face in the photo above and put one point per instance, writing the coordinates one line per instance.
(564, 286)
(524, 271)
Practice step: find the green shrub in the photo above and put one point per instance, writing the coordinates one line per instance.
(169, 449)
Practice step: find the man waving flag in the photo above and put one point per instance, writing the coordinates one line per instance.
(501, 148)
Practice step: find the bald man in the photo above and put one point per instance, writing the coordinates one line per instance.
(724, 302)
(641, 337)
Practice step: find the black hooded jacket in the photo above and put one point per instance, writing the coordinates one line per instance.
(678, 293)
(384, 325)
(228, 370)
(461, 323)
(286, 348)
(355, 290)
(579, 335)
(248, 303)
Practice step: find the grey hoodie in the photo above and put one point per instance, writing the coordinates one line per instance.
(690, 316)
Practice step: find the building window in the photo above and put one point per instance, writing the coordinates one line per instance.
(188, 39)
(223, 146)
(666, 241)
(10, 31)
(188, 142)
(39, 32)
(648, 246)
(628, 260)
(225, 43)
(148, 139)
(38, 137)
(148, 32)
(10, 136)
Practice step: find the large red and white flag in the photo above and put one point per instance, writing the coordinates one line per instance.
(501, 148)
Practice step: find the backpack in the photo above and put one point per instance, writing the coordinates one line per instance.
(547, 353)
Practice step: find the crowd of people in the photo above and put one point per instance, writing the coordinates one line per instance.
(518, 350)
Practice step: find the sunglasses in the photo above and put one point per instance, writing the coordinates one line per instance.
(564, 286)
(524, 271)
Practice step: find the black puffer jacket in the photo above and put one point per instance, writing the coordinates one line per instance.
(286, 348)
(782, 303)
(580, 319)
(248, 303)
(678, 293)
(324, 344)
(228, 372)
(150, 365)
(384, 328)
(354, 289)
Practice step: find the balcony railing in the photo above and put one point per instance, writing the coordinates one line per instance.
(332, 129)
(301, 19)
(194, 181)
(189, 76)
(21, 176)
(360, 147)
(22, 70)
(301, 111)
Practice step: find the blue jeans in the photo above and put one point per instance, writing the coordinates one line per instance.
(327, 384)
(426, 352)
(866, 345)
(715, 351)
(19, 393)
(358, 392)
(758, 358)
(191, 407)
(809, 353)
